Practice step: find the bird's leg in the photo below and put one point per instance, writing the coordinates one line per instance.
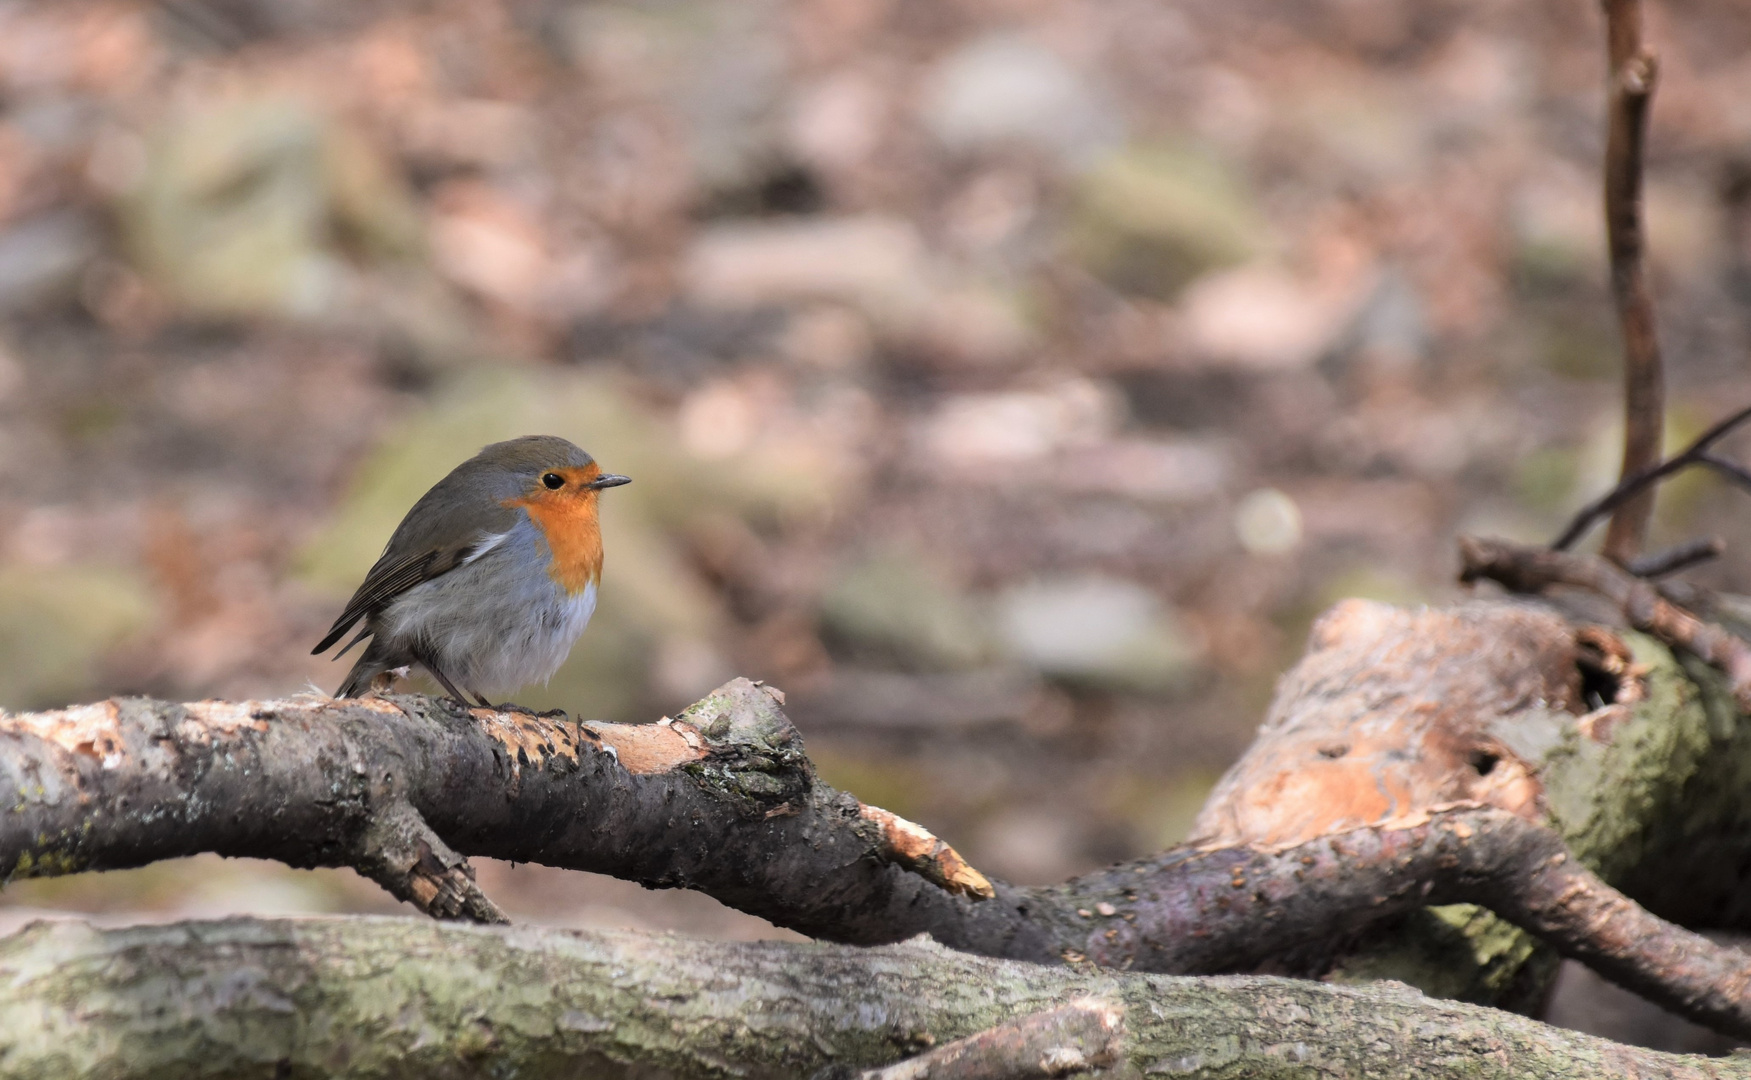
(447, 684)
(550, 714)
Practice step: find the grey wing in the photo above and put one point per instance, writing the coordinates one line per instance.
(395, 573)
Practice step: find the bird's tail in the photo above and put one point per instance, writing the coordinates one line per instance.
(366, 670)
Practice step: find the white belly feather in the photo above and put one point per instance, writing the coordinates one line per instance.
(497, 623)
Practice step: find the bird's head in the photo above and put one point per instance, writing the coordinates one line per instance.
(557, 485)
(548, 472)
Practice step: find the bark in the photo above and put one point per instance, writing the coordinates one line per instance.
(385, 998)
(1533, 570)
(1366, 797)
(1632, 75)
(1637, 757)
(1086, 1034)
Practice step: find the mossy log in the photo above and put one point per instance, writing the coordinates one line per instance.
(388, 998)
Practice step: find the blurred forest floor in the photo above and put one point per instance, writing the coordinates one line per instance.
(1008, 381)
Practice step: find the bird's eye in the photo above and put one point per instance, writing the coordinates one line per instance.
(553, 480)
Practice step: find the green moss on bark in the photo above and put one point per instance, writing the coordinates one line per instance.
(1671, 772)
(392, 998)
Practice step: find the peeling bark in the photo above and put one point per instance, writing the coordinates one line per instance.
(1637, 758)
(1076, 1038)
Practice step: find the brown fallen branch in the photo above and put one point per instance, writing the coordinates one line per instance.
(374, 783)
(723, 799)
(350, 999)
(1533, 570)
(1632, 74)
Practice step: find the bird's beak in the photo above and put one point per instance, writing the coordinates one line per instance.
(608, 480)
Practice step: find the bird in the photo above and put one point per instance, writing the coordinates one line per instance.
(489, 579)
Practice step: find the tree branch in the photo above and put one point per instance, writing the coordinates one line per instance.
(348, 998)
(1532, 570)
(723, 799)
(1632, 76)
(1697, 453)
(400, 852)
(1680, 556)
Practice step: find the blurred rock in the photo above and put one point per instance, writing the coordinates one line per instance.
(472, 133)
(1558, 231)
(41, 258)
(827, 337)
(1261, 317)
(1365, 133)
(937, 701)
(1392, 329)
(993, 208)
(1002, 89)
(1151, 218)
(731, 92)
(240, 207)
(766, 448)
(56, 624)
(1151, 470)
(1028, 845)
(874, 262)
(717, 66)
(1098, 630)
(11, 376)
(979, 431)
(974, 326)
(490, 244)
(836, 123)
(1268, 522)
(685, 669)
(897, 606)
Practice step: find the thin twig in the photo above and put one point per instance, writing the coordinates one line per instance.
(1532, 570)
(1694, 454)
(1633, 72)
(1731, 470)
(1677, 557)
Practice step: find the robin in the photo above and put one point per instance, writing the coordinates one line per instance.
(490, 578)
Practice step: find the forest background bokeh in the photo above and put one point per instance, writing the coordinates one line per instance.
(1009, 381)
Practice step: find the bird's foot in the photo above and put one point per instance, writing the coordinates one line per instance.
(510, 706)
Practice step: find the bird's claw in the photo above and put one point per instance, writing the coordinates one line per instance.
(550, 714)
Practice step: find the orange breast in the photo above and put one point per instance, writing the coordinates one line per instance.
(568, 520)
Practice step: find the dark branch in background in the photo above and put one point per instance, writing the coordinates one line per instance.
(1656, 564)
(724, 800)
(1632, 74)
(1697, 453)
(1531, 570)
